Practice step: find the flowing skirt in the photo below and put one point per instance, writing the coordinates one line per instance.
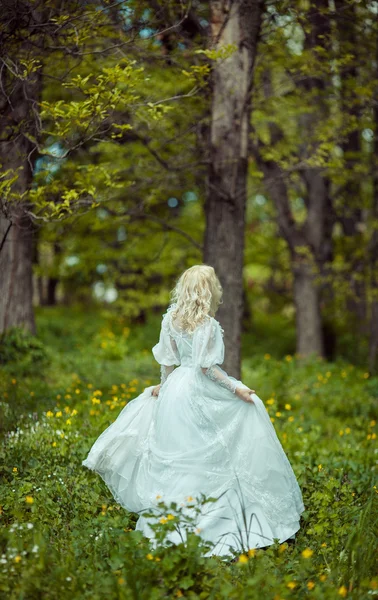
(197, 438)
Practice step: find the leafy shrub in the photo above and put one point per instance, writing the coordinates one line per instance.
(19, 345)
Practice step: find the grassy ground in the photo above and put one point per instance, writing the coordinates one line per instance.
(63, 536)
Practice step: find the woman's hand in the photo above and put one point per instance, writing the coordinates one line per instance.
(245, 394)
(156, 390)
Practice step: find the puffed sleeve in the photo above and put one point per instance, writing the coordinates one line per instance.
(208, 346)
(165, 351)
(208, 354)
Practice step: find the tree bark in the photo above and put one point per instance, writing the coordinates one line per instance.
(351, 215)
(373, 338)
(306, 289)
(18, 128)
(16, 228)
(232, 22)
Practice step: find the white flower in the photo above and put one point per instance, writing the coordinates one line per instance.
(29, 525)
(35, 549)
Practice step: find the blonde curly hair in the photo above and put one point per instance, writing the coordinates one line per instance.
(197, 293)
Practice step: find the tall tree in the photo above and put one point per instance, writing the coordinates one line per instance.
(235, 25)
(19, 96)
(373, 254)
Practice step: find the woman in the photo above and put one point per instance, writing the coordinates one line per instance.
(200, 432)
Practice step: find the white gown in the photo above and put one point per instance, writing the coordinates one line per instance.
(197, 437)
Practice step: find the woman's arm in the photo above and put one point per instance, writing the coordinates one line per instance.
(215, 373)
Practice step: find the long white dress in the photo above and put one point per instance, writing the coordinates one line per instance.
(197, 437)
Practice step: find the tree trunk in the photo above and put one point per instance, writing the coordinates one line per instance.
(351, 215)
(310, 243)
(18, 127)
(309, 331)
(16, 286)
(373, 339)
(307, 305)
(236, 23)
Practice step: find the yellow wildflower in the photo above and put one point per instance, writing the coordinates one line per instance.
(272, 419)
(149, 556)
(190, 499)
(17, 558)
(68, 421)
(15, 470)
(324, 545)
(74, 412)
(163, 520)
(322, 577)
(366, 376)
(243, 559)
(287, 406)
(170, 517)
(291, 419)
(347, 430)
(96, 400)
(278, 414)
(49, 414)
(59, 413)
(251, 552)
(270, 401)
(343, 591)
(121, 581)
(14, 381)
(320, 467)
(29, 499)
(288, 358)
(292, 585)
(307, 553)
(310, 585)
(77, 391)
(179, 594)
(267, 356)
(54, 444)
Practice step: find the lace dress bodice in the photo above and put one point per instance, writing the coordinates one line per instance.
(202, 349)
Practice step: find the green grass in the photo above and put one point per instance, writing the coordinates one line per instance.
(63, 536)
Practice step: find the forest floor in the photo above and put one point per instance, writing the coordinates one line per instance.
(63, 535)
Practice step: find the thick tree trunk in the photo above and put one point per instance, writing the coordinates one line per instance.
(373, 339)
(18, 127)
(232, 22)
